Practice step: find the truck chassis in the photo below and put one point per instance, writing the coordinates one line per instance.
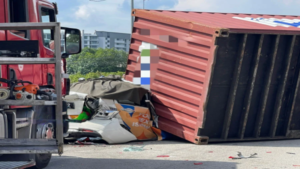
(40, 147)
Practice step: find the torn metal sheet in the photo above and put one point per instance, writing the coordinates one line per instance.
(110, 130)
(241, 156)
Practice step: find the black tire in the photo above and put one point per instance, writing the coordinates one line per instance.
(42, 160)
(42, 115)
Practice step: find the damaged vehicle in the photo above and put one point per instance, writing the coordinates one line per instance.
(112, 109)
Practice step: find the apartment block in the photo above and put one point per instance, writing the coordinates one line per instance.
(103, 39)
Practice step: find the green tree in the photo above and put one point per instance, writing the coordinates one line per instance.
(73, 38)
(92, 75)
(101, 60)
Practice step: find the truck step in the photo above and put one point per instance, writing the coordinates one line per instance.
(27, 142)
(16, 164)
(28, 146)
(29, 150)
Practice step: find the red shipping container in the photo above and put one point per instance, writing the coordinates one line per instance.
(219, 76)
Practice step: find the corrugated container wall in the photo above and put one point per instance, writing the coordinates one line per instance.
(218, 76)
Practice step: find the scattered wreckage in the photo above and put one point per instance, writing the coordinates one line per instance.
(112, 109)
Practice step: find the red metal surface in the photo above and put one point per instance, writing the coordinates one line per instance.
(182, 75)
(2, 19)
(205, 21)
(35, 73)
(3, 68)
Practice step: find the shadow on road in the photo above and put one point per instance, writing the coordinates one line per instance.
(84, 163)
(278, 143)
(264, 143)
(275, 143)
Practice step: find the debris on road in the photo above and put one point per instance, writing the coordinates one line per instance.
(84, 143)
(240, 156)
(163, 156)
(133, 148)
(87, 140)
(131, 118)
(234, 157)
(198, 163)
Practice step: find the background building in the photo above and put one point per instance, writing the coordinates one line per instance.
(102, 39)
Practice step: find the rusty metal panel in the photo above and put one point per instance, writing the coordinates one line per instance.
(180, 73)
(220, 23)
(219, 77)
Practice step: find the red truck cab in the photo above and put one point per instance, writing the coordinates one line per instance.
(30, 122)
(31, 11)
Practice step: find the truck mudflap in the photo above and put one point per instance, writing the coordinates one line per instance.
(16, 164)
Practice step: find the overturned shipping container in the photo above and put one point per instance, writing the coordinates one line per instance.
(219, 76)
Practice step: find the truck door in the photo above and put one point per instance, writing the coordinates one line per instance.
(47, 14)
(18, 12)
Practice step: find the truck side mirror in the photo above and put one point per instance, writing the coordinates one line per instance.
(72, 41)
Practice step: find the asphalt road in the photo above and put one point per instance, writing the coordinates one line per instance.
(181, 155)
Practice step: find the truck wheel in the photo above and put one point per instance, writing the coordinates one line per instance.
(44, 131)
(43, 128)
(42, 160)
